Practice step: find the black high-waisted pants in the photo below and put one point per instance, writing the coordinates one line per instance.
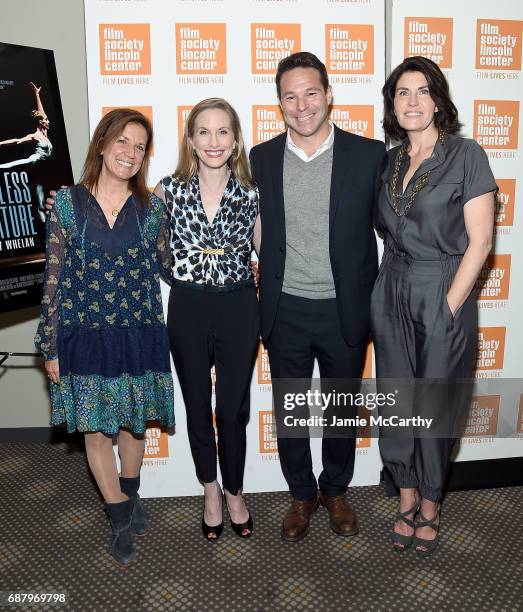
(416, 337)
(207, 328)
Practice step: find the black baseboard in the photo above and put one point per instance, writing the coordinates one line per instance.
(46, 435)
(467, 475)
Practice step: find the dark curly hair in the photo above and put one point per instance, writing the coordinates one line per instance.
(445, 119)
(302, 59)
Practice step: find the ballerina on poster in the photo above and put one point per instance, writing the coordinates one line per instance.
(43, 146)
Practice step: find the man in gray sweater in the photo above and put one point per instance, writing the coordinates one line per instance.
(318, 262)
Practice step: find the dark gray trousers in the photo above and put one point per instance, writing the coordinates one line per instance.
(430, 355)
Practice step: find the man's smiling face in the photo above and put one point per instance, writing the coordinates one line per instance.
(304, 102)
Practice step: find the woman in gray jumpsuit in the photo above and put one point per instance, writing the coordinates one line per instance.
(436, 213)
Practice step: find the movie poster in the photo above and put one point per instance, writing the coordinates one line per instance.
(34, 158)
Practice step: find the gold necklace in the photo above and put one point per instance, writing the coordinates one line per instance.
(115, 211)
(418, 185)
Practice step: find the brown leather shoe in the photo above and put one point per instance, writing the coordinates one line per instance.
(296, 520)
(342, 517)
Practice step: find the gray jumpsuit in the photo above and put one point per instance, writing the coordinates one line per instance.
(415, 334)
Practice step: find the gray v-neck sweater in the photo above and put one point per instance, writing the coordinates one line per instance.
(306, 193)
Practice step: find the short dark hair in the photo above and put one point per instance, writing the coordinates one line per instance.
(445, 119)
(303, 59)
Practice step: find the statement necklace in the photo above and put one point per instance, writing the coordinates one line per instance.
(421, 181)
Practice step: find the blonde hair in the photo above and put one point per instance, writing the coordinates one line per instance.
(188, 161)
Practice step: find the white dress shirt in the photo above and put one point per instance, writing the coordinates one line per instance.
(326, 144)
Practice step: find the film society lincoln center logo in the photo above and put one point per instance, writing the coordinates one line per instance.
(349, 48)
(267, 122)
(498, 44)
(482, 419)
(494, 279)
(156, 444)
(496, 123)
(505, 202)
(263, 367)
(125, 48)
(183, 113)
(430, 37)
(491, 348)
(201, 48)
(270, 43)
(355, 118)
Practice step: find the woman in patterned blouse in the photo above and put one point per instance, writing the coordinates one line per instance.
(101, 329)
(213, 308)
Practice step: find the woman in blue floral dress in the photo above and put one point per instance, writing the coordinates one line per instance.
(102, 329)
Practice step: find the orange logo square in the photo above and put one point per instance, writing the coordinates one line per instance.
(482, 419)
(156, 443)
(183, 113)
(201, 48)
(145, 110)
(263, 367)
(267, 434)
(349, 48)
(494, 279)
(505, 202)
(363, 433)
(125, 48)
(519, 427)
(430, 37)
(355, 118)
(270, 43)
(491, 348)
(267, 122)
(498, 44)
(496, 123)
(367, 364)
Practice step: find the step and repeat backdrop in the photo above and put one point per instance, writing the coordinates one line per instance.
(163, 56)
(478, 47)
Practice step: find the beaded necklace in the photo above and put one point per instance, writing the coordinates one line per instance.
(420, 183)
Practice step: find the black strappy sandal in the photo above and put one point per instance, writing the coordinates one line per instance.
(403, 542)
(422, 546)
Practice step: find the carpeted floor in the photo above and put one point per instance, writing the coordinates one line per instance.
(54, 534)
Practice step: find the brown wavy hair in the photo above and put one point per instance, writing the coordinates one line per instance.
(445, 119)
(108, 130)
(188, 160)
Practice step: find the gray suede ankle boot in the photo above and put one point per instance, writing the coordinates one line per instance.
(140, 520)
(121, 547)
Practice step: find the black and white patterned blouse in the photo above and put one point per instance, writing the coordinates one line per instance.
(214, 254)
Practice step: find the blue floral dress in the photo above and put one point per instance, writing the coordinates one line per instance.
(102, 314)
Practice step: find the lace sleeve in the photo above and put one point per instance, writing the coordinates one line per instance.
(46, 339)
(163, 247)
